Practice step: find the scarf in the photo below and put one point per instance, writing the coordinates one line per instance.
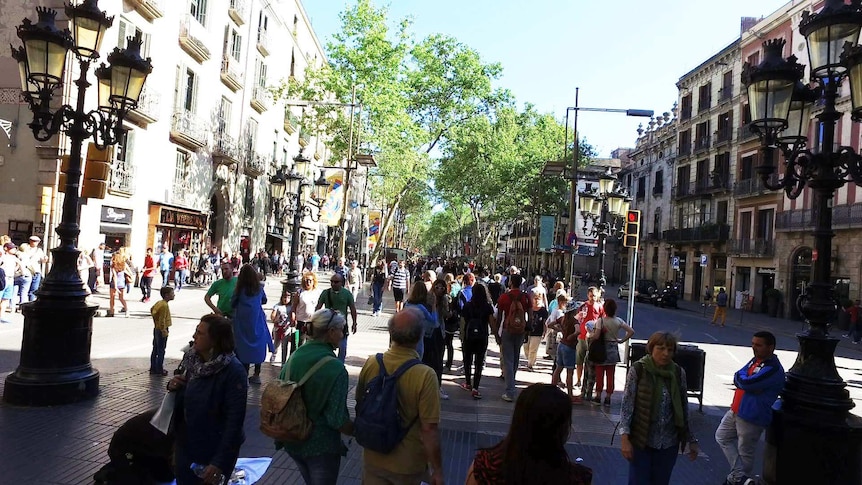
(661, 376)
(197, 367)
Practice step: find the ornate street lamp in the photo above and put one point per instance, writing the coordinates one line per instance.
(813, 438)
(605, 208)
(295, 183)
(55, 363)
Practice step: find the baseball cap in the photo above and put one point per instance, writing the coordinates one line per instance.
(9, 245)
(35, 238)
(572, 306)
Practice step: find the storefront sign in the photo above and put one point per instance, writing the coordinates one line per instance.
(115, 215)
(766, 270)
(170, 217)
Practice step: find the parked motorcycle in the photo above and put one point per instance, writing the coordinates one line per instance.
(668, 296)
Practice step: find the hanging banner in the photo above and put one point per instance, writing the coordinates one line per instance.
(330, 213)
(374, 222)
(546, 233)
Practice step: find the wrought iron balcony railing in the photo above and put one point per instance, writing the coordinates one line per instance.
(754, 248)
(704, 233)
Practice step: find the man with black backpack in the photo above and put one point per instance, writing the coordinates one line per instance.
(512, 312)
(398, 410)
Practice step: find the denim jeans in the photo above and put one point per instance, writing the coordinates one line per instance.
(180, 277)
(318, 469)
(34, 285)
(377, 291)
(22, 289)
(650, 466)
(342, 349)
(738, 440)
(166, 273)
(511, 349)
(157, 357)
(146, 286)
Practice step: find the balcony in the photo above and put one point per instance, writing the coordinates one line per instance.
(237, 11)
(226, 150)
(260, 99)
(744, 133)
(684, 149)
(263, 42)
(188, 130)
(751, 248)
(714, 182)
(845, 216)
(723, 135)
(231, 73)
(194, 38)
(255, 164)
(658, 191)
(149, 9)
(704, 105)
(752, 187)
(148, 108)
(291, 121)
(182, 194)
(701, 143)
(726, 93)
(640, 195)
(704, 234)
(304, 138)
(122, 181)
(685, 113)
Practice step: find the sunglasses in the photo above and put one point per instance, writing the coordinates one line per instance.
(331, 317)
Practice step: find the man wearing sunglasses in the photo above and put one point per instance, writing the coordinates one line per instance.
(338, 298)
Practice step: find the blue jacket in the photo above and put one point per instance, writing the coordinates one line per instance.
(211, 415)
(761, 390)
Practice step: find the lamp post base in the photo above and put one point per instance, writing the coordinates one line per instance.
(55, 353)
(805, 449)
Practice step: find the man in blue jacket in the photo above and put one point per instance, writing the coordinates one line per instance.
(758, 384)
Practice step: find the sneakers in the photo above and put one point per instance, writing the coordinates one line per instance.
(607, 401)
(596, 401)
(272, 359)
(476, 394)
(255, 379)
(466, 387)
(443, 395)
(507, 398)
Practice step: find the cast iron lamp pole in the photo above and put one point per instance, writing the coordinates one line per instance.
(605, 208)
(813, 438)
(293, 184)
(55, 363)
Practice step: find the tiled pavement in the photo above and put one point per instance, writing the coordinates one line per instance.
(67, 444)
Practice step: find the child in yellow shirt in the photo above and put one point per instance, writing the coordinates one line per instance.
(161, 320)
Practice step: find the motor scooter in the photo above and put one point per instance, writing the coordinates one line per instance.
(668, 296)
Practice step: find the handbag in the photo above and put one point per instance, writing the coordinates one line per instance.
(598, 351)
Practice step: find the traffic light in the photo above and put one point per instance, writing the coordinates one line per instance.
(633, 229)
(97, 169)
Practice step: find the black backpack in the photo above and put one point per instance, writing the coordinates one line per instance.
(378, 423)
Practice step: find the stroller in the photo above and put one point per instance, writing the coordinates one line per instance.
(139, 453)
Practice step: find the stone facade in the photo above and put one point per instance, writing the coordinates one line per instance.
(193, 167)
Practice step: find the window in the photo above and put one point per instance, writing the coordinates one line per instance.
(701, 136)
(191, 87)
(721, 215)
(703, 173)
(725, 132)
(685, 142)
(746, 171)
(656, 223)
(127, 29)
(683, 175)
(295, 24)
(704, 97)
(262, 24)
(123, 169)
(249, 198)
(641, 187)
(727, 86)
(224, 111)
(181, 172)
(685, 109)
(658, 186)
(766, 224)
(198, 10)
(292, 61)
(251, 135)
(746, 114)
(260, 73)
(233, 44)
(754, 59)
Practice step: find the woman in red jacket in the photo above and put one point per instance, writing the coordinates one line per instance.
(181, 268)
(147, 276)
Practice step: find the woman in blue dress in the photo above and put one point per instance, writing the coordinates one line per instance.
(249, 322)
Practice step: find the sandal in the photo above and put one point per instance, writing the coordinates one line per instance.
(466, 387)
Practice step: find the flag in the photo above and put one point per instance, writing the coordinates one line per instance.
(330, 213)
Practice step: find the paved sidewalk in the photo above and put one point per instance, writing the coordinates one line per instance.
(71, 441)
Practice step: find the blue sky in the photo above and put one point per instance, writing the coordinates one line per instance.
(621, 54)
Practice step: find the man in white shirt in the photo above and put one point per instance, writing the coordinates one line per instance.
(34, 258)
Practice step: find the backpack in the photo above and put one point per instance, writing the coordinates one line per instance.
(283, 415)
(475, 329)
(515, 322)
(378, 423)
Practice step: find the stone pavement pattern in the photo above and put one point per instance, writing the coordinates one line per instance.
(67, 444)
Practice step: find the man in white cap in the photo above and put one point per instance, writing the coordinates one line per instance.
(34, 258)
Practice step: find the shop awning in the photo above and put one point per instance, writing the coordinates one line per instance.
(107, 227)
(278, 236)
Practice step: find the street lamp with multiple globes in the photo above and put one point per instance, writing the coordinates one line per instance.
(55, 363)
(292, 184)
(813, 437)
(606, 209)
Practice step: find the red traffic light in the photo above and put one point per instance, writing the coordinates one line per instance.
(633, 216)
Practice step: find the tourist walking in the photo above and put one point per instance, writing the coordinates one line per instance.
(400, 284)
(378, 278)
(478, 315)
(149, 270)
(609, 327)
(336, 297)
(302, 304)
(249, 323)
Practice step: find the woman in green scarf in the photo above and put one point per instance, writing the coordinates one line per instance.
(654, 422)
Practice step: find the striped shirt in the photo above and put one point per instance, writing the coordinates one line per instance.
(399, 278)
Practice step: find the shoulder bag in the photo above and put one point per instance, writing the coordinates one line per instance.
(598, 352)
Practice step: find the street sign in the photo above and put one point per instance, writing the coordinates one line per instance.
(675, 263)
(702, 260)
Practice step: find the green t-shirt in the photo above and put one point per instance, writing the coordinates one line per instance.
(340, 300)
(224, 289)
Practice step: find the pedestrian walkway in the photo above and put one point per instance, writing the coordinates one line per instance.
(71, 441)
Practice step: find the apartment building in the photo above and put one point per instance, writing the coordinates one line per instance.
(790, 222)
(648, 175)
(192, 167)
(702, 215)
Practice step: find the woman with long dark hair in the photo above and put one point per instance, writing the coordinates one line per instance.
(478, 318)
(249, 322)
(534, 450)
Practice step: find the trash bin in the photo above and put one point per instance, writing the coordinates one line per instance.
(690, 357)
